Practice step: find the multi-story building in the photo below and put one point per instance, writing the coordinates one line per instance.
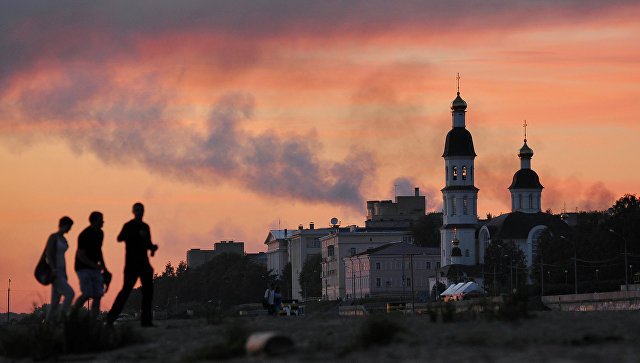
(347, 242)
(302, 244)
(391, 269)
(401, 214)
(197, 257)
(277, 250)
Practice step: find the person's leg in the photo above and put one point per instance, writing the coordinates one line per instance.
(68, 293)
(130, 278)
(146, 278)
(55, 301)
(95, 306)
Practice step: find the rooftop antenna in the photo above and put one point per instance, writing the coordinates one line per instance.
(524, 125)
(458, 79)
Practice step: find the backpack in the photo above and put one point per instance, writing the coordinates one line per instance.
(43, 272)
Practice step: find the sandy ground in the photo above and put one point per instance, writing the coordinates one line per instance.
(547, 337)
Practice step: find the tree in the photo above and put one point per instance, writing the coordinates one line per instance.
(505, 266)
(286, 281)
(426, 231)
(310, 277)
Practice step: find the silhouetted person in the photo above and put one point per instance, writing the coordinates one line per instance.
(137, 237)
(90, 263)
(56, 247)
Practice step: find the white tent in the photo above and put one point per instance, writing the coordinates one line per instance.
(462, 288)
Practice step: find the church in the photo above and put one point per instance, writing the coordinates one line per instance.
(464, 237)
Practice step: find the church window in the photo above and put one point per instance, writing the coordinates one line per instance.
(455, 173)
(465, 206)
(453, 206)
(530, 200)
(464, 172)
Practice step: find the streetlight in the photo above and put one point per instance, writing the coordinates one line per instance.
(626, 274)
(575, 264)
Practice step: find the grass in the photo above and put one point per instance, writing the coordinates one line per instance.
(80, 333)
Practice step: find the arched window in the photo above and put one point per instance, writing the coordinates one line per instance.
(530, 201)
(464, 172)
(455, 172)
(465, 205)
(453, 206)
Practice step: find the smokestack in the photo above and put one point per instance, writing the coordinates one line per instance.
(417, 192)
(285, 232)
(311, 225)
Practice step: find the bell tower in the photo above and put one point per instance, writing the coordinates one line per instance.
(460, 196)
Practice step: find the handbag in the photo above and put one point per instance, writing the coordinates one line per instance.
(43, 272)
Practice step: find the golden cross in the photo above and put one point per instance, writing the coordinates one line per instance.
(524, 124)
(458, 79)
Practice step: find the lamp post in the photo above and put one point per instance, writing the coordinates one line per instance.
(9, 302)
(626, 274)
(575, 264)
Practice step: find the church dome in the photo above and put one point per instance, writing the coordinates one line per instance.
(526, 179)
(458, 104)
(525, 151)
(458, 143)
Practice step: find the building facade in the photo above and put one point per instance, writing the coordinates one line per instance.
(397, 269)
(348, 242)
(302, 244)
(277, 251)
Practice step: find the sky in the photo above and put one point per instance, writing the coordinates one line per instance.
(228, 119)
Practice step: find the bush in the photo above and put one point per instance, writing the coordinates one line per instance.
(77, 334)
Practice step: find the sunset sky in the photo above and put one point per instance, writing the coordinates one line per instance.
(230, 118)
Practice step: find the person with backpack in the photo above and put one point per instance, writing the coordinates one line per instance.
(56, 247)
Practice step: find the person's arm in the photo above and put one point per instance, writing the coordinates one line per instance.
(150, 246)
(52, 249)
(81, 255)
(123, 234)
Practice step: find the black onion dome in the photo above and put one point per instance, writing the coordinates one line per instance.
(525, 151)
(526, 179)
(458, 104)
(459, 143)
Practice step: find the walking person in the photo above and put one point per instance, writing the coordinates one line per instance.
(137, 237)
(56, 247)
(90, 264)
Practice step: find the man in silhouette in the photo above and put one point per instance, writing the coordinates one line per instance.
(90, 264)
(137, 237)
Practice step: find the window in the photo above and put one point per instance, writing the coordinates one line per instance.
(465, 206)
(377, 265)
(408, 281)
(464, 172)
(530, 200)
(330, 251)
(437, 264)
(378, 282)
(453, 206)
(444, 206)
(428, 265)
(352, 250)
(455, 173)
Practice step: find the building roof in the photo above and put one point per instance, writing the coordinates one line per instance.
(458, 143)
(400, 248)
(526, 179)
(517, 225)
(460, 187)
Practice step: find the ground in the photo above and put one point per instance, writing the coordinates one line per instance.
(547, 336)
